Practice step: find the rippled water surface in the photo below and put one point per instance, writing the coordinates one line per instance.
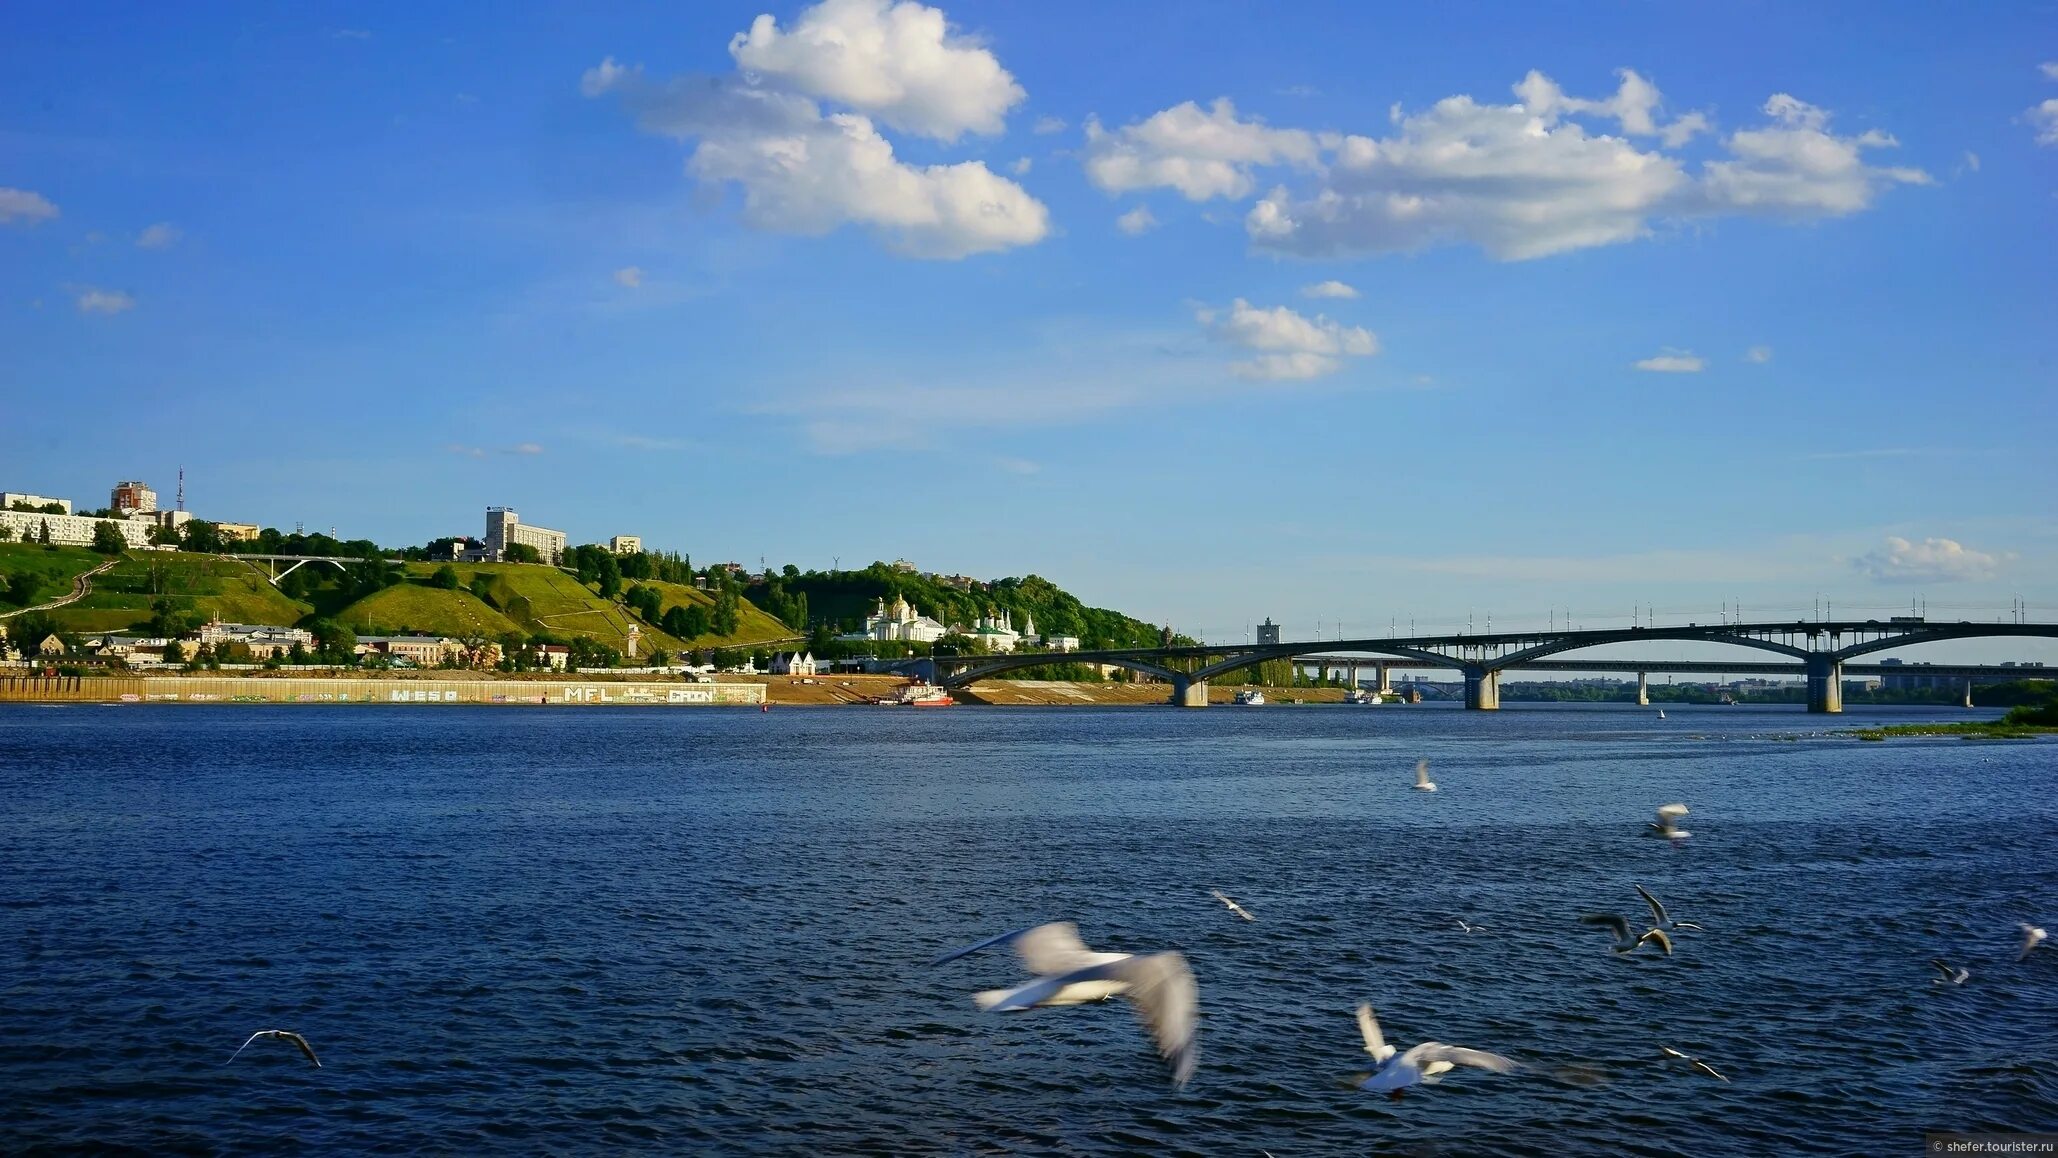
(703, 931)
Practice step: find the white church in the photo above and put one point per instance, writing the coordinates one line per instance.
(900, 622)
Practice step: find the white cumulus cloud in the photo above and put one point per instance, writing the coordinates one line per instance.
(1202, 154)
(629, 277)
(2050, 69)
(1285, 344)
(23, 205)
(1758, 354)
(1329, 289)
(898, 62)
(1045, 126)
(806, 171)
(1670, 361)
(99, 301)
(1930, 561)
(162, 235)
(2044, 119)
(1137, 220)
(1551, 173)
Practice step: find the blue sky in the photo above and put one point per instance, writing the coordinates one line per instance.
(981, 289)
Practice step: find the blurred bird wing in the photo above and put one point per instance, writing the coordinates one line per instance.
(1430, 1052)
(1162, 989)
(1667, 813)
(1239, 910)
(1659, 936)
(1711, 1071)
(1375, 1042)
(986, 944)
(1942, 966)
(1670, 1052)
(305, 1048)
(1657, 910)
(1421, 772)
(248, 1040)
(1610, 922)
(2031, 938)
(1056, 948)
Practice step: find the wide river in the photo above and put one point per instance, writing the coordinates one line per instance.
(702, 931)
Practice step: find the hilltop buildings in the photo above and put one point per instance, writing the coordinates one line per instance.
(900, 622)
(504, 528)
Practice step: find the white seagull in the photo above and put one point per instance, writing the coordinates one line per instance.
(1423, 1064)
(1951, 974)
(2031, 938)
(1469, 927)
(1239, 910)
(1697, 1063)
(1158, 985)
(1422, 783)
(1624, 941)
(282, 1035)
(1667, 825)
(1664, 920)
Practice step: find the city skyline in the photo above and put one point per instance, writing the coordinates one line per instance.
(1195, 312)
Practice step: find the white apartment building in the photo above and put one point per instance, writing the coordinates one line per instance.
(505, 528)
(626, 544)
(9, 498)
(70, 530)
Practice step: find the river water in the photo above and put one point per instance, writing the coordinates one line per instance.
(706, 931)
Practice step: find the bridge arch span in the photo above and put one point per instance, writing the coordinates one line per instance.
(1942, 632)
(1253, 659)
(1685, 635)
(1015, 662)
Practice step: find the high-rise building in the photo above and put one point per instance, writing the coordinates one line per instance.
(626, 544)
(1268, 631)
(504, 528)
(133, 497)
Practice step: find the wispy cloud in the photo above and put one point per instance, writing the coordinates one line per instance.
(99, 301)
(1137, 220)
(1671, 361)
(21, 205)
(1758, 354)
(1900, 560)
(1045, 126)
(1877, 452)
(1329, 289)
(629, 277)
(162, 235)
(520, 448)
(349, 34)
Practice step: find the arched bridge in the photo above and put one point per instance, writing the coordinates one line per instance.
(1820, 647)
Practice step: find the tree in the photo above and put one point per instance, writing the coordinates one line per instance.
(167, 621)
(203, 536)
(660, 658)
(298, 653)
(334, 642)
(521, 553)
(174, 651)
(163, 536)
(22, 587)
(610, 575)
(44, 538)
(6, 533)
(726, 615)
(444, 578)
(28, 630)
(107, 538)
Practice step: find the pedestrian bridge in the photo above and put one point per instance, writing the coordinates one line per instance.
(1820, 648)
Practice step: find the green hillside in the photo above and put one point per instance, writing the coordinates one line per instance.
(753, 625)
(414, 608)
(203, 586)
(49, 573)
(843, 599)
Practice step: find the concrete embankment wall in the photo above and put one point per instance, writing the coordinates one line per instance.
(232, 690)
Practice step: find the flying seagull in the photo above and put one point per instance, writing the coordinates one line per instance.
(1625, 942)
(1658, 913)
(1239, 910)
(1469, 927)
(1951, 976)
(1697, 1063)
(1667, 825)
(1158, 985)
(1422, 783)
(282, 1035)
(1423, 1064)
(2031, 938)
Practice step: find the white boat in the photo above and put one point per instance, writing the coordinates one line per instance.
(1252, 697)
(1361, 696)
(917, 695)
(1661, 713)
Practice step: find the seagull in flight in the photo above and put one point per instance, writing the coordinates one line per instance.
(1697, 1063)
(1423, 1064)
(1951, 975)
(1159, 985)
(282, 1035)
(1664, 920)
(1469, 927)
(1625, 942)
(1667, 825)
(1422, 783)
(2031, 938)
(1239, 910)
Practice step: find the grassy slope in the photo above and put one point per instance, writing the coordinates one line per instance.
(753, 626)
(57, 568)
(212, 587)
(413, 608)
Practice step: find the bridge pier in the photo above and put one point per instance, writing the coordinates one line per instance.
(1189, 693)
(1825, 684)
(1385, 681)
(1482, 689)
(1643, 689)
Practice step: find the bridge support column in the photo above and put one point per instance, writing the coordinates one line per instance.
(1354, 677)
(1643, 689)
(1385, 681)
(1482, 689)
(1189, 693)
(1825, 684)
